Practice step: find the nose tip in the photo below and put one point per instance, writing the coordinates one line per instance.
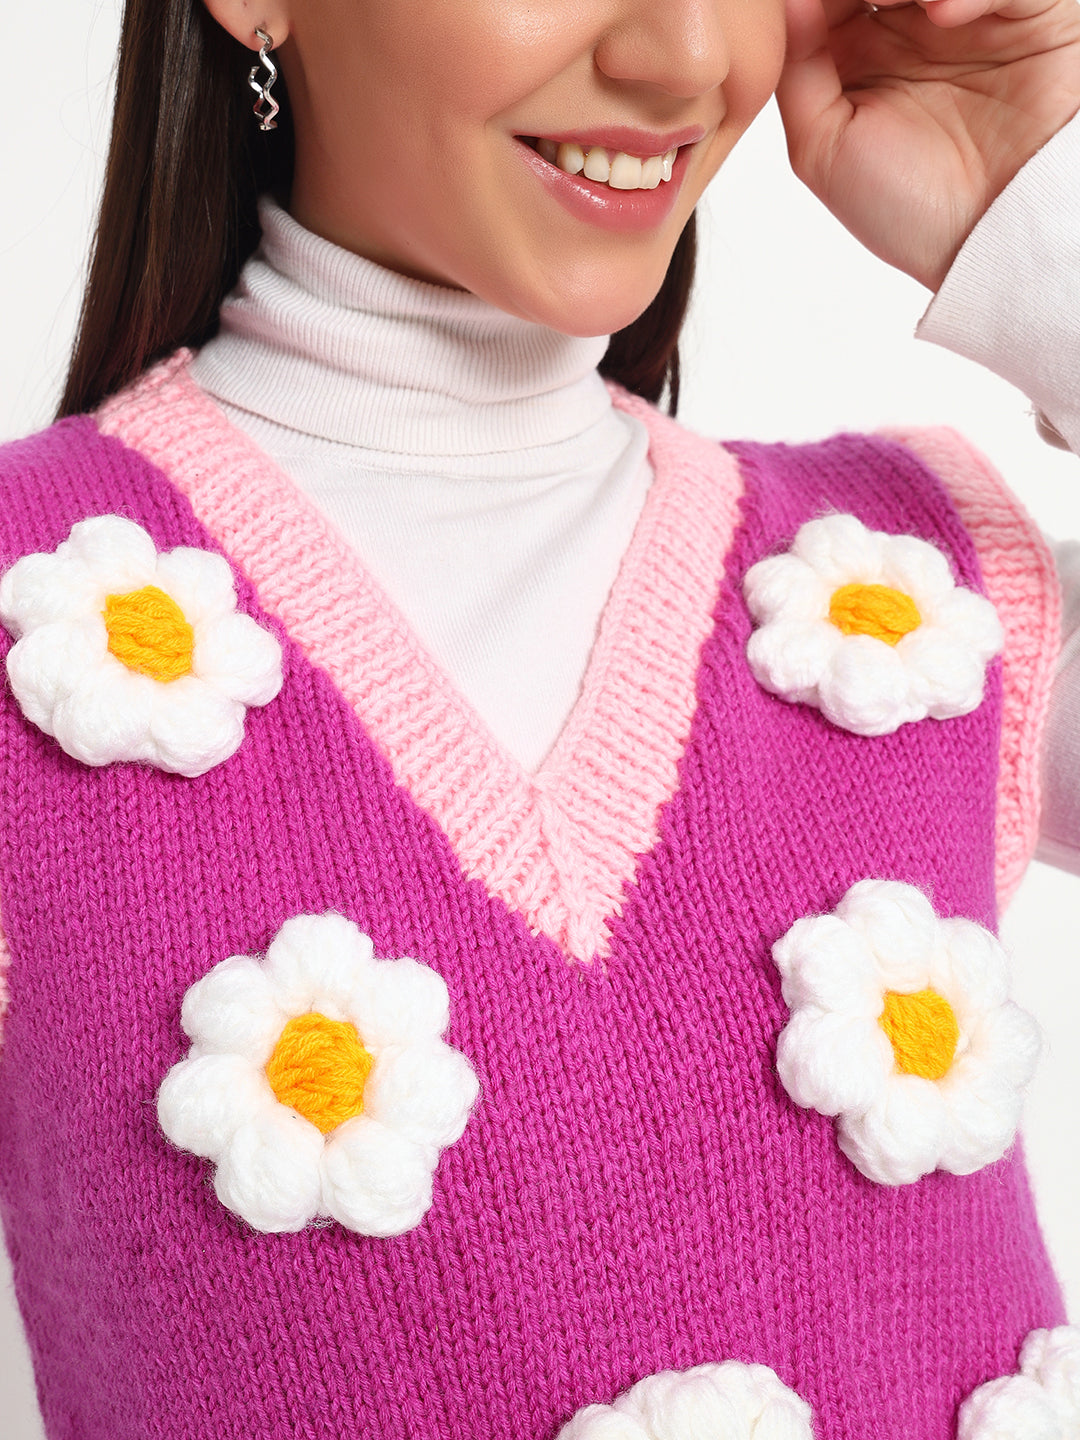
(680, 46)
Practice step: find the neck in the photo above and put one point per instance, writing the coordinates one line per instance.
(334, 345)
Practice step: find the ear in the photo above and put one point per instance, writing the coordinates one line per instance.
(241, 18)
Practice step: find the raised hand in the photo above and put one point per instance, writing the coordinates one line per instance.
(908, 123)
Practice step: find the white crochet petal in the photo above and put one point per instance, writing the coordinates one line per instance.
(239, 658)
(50, 662)
(1015, 1408)
(866, 688)
(234, 1009)
(983, 1112)
(106, 717)
(972, 967)
(971, 618)
(119, 554)
(400, 1002)
(200, 581)
(268, 1172)
(841, 550)
(603, 1422)
(833, 1063)
(898, 924)
(789, 657)
(192, 727)
(375, 1180)
(826, 963)
(946, 678)
(900, 1138)
(785, 587)
(204, 1100)
(1008, 1041)
(674, 1405)
(1041, 1403)
(1052, 1357)
(424, 1092)
(918, 569)
(43, 589)
(726, 1401)
(317, 963)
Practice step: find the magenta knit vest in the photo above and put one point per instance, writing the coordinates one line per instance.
(635, 1191)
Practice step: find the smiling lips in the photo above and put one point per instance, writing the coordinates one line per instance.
(620, 170)
(617, 155)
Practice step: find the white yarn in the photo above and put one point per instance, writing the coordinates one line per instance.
(725, 1401)
(70, 685)
(1042, 1402)
(275, 1169)
(859, 682)
(833, 1055)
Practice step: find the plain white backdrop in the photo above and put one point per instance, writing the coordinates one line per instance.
(795, 332)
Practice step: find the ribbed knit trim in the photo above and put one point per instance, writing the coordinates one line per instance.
(331, 344)
(561, 845)
(1018, 570)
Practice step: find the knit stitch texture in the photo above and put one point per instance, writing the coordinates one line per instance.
(634, 1191)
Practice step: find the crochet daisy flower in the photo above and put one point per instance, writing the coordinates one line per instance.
(318, 1083)
(1041, 1403)
(902, 1029)
(729, 1399)
(870, 628)
(123, 653)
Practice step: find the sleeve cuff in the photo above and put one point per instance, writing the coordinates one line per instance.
(1011, 299)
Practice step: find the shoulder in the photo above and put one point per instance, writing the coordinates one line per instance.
(81, 466)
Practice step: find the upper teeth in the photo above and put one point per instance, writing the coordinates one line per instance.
(620, 171)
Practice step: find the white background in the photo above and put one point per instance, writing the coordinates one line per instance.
(795, 333)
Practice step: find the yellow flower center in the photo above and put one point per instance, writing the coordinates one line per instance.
(875, 610)
(923, 1032)
(320, 1068)
(148, 633)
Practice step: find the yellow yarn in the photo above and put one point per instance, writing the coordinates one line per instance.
(875, 610)
(148, 633)
(320, 1068)
(923, 1031)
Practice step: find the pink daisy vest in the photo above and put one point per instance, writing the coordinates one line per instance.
(634, 1191)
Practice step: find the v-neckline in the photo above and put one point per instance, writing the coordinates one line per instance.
(560, 845)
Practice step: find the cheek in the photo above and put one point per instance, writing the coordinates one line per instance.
(472, 58)
(757, 44)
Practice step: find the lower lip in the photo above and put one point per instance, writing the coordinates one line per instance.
(627, 211)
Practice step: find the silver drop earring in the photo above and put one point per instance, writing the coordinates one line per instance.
(265, 117)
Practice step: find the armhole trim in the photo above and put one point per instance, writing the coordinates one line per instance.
(1021, 581)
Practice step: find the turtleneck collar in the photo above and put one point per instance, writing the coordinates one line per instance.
(335, 345)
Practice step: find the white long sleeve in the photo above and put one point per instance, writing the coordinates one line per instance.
(1011, 301)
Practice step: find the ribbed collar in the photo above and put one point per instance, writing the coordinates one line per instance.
(335, 345)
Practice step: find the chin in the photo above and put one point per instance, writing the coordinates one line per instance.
(599, 303)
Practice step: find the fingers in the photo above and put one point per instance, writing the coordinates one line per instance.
(809, 94)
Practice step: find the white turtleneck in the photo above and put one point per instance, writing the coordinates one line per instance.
(474, 460)
(476, 464)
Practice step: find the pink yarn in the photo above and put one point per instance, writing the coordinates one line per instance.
(1020, 579)
(562, 844)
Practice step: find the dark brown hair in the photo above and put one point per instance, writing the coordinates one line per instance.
(186, 165)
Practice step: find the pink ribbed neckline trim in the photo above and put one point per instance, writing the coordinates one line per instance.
(560, 846)
(1020, 578)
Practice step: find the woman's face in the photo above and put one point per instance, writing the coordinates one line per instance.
(410, 115)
